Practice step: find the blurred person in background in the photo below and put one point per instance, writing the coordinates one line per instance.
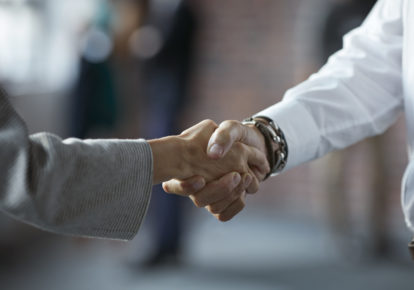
(360, 92)
(165, 44)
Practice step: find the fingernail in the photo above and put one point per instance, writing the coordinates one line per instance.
(199, 184)
(247, 181)
(216, 150)
(236, 179)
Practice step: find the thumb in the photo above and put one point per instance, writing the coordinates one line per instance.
(224, 137)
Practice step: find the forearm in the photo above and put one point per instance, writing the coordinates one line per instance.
(95, 188)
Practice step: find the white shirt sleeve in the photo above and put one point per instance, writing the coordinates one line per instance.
(357, 94)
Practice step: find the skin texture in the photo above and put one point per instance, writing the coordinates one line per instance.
(216, 182)
(232, 196)
(184, 156)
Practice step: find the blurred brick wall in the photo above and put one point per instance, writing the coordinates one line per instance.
(244, 63)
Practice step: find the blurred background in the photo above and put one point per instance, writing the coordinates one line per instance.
(149, 68)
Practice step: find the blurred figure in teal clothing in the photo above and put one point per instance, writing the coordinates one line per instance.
(95, 104)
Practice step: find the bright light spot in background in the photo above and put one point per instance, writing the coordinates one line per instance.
(17, 27)
(39, 50)
(145, 42)
(96, 45)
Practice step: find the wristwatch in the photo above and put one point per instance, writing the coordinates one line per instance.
(411, 248)
(277, 149)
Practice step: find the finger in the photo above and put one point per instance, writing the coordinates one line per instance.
(258, 162)
(236, 207)
(220, 206)
(254, 185)
(247, 178)
(223, 138)
(184, 187)
(216, 190)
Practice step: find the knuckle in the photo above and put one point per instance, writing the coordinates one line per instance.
(240, 151)
(166, 187)
(214, 209)
(252, 189)
(193, 148)
(187, 188)
(242, 166)
(254, 186)
(199, 203)
(210, 123)
(171, 187)
(231, 123)
(196, 201)
(223, 135)
(222, 218)
(239, 166)
(225, 123)
(185, 132)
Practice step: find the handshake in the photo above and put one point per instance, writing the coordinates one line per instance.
(215, 166)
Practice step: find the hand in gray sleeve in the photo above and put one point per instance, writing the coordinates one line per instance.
(95, 188)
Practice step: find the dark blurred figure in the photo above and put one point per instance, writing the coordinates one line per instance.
(166, 44)
(343, 17)
(95, 104)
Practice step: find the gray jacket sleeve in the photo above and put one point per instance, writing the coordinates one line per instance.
(94, 188)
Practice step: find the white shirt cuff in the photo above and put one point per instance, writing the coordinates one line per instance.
(299, 128)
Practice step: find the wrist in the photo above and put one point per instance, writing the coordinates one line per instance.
(260, 143)
(167, 153)
(275, 142)
(275, 145)
(280, 151)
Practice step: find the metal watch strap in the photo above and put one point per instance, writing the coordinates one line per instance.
(411, 248)
(281, 154)
(272, 133)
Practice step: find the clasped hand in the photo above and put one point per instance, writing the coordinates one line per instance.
(212, 165)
